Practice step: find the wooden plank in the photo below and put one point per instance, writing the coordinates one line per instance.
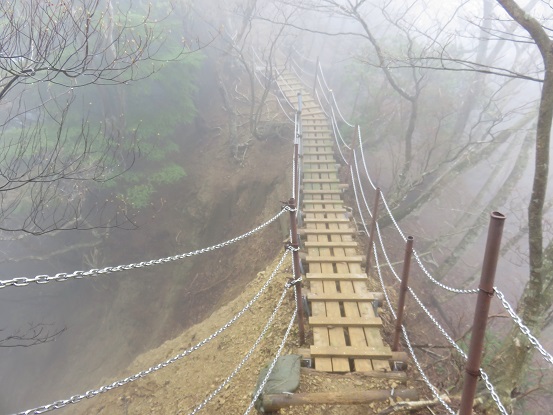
(320, 153)
(335, 259)
(331, 244)
(327, 231)
(323, 210)
(326, 220)
(339, 276)
(383, 353)
(324, 170)
(320, 334)
(322, 192)
(321, 180)
(365, 297)
(345, 321)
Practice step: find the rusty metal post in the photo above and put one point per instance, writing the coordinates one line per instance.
(486, 290)
(373, 228)
(403, 291)
(296, 259)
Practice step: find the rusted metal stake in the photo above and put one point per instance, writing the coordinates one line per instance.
(491, 255)
(403, 291)
(373, 228)
(296, 259)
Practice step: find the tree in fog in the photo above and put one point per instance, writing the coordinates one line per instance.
(52, 140)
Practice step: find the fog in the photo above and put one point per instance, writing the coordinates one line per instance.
(446, 98)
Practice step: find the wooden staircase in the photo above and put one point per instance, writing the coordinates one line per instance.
(346, 331)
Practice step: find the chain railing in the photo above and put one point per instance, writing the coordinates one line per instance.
(523, 328)
(273, 363)
(246, 357)
(60, 277)
(444, 333)
(92, 393)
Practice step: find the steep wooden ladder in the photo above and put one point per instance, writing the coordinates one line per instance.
(346, 332)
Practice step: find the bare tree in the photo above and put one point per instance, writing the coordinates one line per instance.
(52, 142)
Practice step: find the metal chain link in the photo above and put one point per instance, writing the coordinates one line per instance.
(338, 130)
(489, 385)
(246, 357)
(438, 283)
(43, 279)
(432, 388)
(336, 138)
(321, 104)
(273, 363)
(92, 393)
(523, 328)
(363, 158)
(415, 254)
(493, 393)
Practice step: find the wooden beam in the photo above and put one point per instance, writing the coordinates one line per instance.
(348, 231)
(331, 244)
(356, 258)
(384, 353)
(337, 277)
(326, 220)
(274, 402)
(345, 321)
(365, 297)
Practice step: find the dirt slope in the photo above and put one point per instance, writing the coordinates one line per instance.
(177, 388)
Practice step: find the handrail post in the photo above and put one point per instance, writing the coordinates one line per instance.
(486, 291)
(373, 228)
(403, 291)
(296, 258)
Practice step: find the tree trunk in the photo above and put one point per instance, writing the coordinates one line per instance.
(536, 299)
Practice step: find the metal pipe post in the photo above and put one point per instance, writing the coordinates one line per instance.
(373, 228)
(403, 291)
(486, 290)
(296, 259)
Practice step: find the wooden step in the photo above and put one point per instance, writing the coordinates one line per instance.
(321, 180)
(323, 202)
(348, 231)
(353, 259)
(353, 352)
(345, 321)
(326, 220)
(337, 277)
(318, 153)
(331, 244)
(322, 192)
(319, 171)
(360, 298)
(319, 161)
(322, 210)
(329, 145)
